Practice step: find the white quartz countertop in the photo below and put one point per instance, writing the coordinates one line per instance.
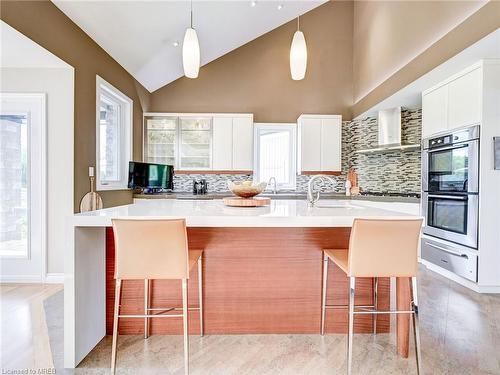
(280, 213)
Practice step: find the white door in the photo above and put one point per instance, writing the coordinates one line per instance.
(310, 144)
(22, 187)
(222, 144)
(243, 143)
(331, 144)
(435, 111)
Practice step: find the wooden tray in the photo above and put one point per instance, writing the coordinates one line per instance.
(246, 202)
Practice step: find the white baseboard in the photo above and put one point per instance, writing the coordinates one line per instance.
(54, 278)
(20, 279)
(460, 280)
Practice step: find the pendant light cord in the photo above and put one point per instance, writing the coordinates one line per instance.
(191, 13)
(298, 23)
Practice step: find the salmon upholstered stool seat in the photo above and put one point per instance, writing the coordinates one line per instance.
(377, 248)
(155, 250)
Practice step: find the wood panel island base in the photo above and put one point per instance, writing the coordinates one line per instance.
(262, 270)
(256, 280)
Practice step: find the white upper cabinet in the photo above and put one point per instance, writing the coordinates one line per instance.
(222, 143)
(310, 144)
(435, 111)
(233, 143)
(198, 142)
(319, 143)
(242, 153)
(454, 103)
(464, 106)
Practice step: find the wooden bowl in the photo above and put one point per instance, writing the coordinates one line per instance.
(246, 189)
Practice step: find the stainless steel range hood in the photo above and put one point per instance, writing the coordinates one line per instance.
(389, 133)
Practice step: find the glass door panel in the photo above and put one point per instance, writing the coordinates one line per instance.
(14, 177)
(195, 143)
(161, 135)
(448, 214)
(449, 169)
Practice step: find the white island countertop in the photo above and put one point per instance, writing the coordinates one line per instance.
(280, 213)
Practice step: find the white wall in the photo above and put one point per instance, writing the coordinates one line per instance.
(58, 84)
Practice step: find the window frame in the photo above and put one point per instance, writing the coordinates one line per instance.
(290, 127)
(125, 150)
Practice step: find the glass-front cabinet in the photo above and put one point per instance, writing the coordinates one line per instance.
(160, 136)
(184, 142)
(195, 148)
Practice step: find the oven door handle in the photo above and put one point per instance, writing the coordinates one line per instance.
(444, 148)
(456, 197)
(461, 255)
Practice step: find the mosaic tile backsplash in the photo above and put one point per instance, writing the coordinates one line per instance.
(389, 172)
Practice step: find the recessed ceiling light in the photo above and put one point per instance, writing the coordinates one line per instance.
(253, 3)
(280, 6)
(175, 44)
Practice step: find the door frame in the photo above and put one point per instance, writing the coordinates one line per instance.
(42, 97)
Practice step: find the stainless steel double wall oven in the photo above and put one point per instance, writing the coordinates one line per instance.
(450, 198)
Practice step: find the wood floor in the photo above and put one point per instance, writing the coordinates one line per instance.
(24, 338)
(460, 333)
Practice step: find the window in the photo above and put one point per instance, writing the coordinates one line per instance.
(14, 174)
(113, 136)
(275, 154)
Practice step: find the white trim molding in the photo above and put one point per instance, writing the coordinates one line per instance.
(54, 278)
(126, 141)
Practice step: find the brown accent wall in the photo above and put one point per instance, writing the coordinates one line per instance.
(394, 41)
(45, 24)
(255, 78)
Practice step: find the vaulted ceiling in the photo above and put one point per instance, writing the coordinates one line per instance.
(141, 35)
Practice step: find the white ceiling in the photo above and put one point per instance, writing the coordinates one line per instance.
(140, 34)
(411, 95)
(18, 51)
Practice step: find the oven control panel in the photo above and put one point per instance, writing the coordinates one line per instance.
(441, 141)
(462, 135)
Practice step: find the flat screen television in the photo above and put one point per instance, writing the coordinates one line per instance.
(150, 176)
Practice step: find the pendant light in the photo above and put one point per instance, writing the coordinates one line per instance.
(298, 54)
(191, 51)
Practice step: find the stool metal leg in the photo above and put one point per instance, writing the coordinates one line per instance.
(375, 304)
(200, 292)
(416, 332)
(323, 298)
(118, 288)
(146, 308)
(352, 282)
(185, 325)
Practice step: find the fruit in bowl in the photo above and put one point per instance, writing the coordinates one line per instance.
(246, 189)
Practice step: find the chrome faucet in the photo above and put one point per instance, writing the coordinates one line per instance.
(311, 197)
(275, 189)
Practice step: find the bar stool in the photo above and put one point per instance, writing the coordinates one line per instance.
(377, 248)
(154, 250)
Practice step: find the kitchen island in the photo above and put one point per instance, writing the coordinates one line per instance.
(262, 272)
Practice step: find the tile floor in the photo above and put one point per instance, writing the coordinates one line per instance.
(460, 332)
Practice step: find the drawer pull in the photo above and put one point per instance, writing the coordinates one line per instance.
(449, 251)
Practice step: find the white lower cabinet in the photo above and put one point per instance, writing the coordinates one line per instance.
(319, 143)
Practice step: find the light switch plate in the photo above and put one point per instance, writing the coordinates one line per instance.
(496, 152)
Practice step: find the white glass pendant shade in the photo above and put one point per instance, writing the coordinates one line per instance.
(298, 56)
(191, 53)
